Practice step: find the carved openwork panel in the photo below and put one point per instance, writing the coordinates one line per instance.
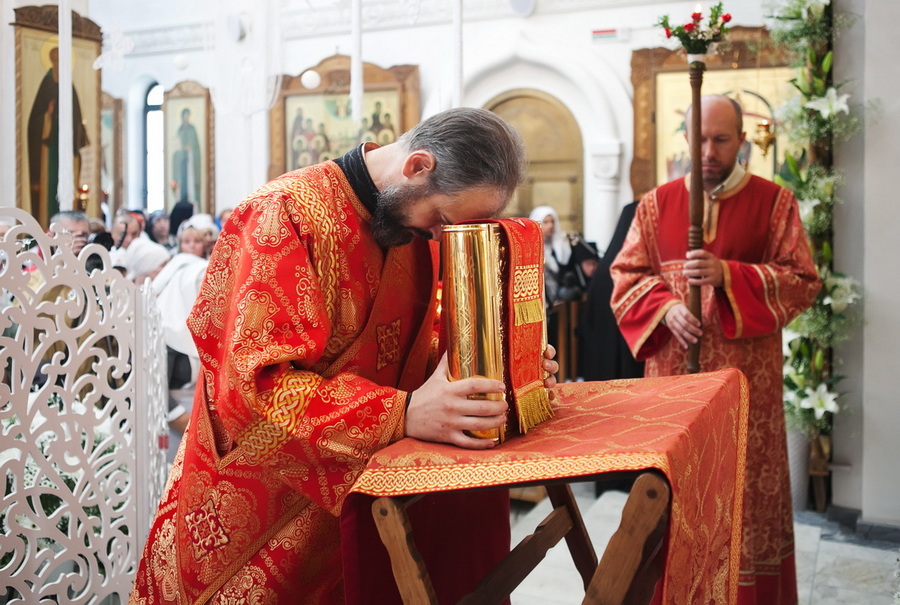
(81, 410)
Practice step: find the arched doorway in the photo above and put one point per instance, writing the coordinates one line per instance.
(555, 155)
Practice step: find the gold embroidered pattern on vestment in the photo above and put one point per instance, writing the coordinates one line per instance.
(271, 230)
(253, 329)
(206, 530)
(388, 336)
(262, 439)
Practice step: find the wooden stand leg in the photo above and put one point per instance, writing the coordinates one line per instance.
(632, 562)
(577, 539)
(516, 566)
(626, 575)
(395, 530)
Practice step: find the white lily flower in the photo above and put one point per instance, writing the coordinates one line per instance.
(816, 7)
(791, 398)
(807, 209)
(790, 109)
(820, 400)
(787, 337)
(842, 292)
(831, 104)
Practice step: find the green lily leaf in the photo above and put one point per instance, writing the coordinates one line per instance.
(827, 60)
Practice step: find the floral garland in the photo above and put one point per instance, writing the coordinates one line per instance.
(814, 119)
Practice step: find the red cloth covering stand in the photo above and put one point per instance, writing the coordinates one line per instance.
(692, 428)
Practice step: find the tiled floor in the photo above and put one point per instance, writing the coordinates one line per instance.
(834, 567)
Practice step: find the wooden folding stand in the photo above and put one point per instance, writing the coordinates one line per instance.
(627, 573)
(683, 440)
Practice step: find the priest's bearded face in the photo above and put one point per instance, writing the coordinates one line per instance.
(390, 219)
(406, 211)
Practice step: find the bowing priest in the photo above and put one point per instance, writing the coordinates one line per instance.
(755, 272)
(314, 327)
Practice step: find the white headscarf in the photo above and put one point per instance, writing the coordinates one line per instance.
(143, 256)
(558, 243)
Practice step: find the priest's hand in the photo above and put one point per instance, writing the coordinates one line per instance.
(441, 410)
(703, 268)
(684, 326)
(551, 367)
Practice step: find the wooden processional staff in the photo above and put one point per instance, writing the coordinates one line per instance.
(695, 230)
(697, 39)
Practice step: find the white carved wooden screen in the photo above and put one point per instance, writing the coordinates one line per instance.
(82, 415)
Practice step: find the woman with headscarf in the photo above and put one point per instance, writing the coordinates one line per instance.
(158, 229)
(557, 251)
(557, 265)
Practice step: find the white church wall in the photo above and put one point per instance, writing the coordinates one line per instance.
(849, 216)
(880, 249)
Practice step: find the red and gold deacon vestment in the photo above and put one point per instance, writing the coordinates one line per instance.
(310, 336)
(754, 228)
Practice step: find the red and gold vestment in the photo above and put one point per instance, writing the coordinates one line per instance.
(754, 228)
(310, 335)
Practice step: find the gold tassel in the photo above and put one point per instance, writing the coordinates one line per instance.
(529, 311)
(533, 408)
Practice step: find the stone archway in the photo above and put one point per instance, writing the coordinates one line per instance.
(555, 155)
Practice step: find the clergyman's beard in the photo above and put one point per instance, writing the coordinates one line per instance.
(389, 221)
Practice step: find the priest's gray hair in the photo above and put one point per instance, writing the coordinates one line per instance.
(472, 148)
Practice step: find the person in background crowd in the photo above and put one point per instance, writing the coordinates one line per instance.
(585, 260)
(125, 230)
(76, 224)
(603, 352)
(176, 287)
(143, 259)
(181, 211)
(223, 218)
(205, 224)
(158, 230)
(557, 251)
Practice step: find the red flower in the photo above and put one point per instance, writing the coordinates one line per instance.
(696, 16)
(726, 17)
(668, 32)
(689, 27)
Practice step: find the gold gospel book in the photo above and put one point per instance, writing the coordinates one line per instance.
(493, 314)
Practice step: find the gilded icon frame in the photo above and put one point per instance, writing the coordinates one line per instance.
(36, 34)
(391, 94)
(189, 99)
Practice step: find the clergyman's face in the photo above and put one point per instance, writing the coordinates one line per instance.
(720, 141)
(406, 211)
